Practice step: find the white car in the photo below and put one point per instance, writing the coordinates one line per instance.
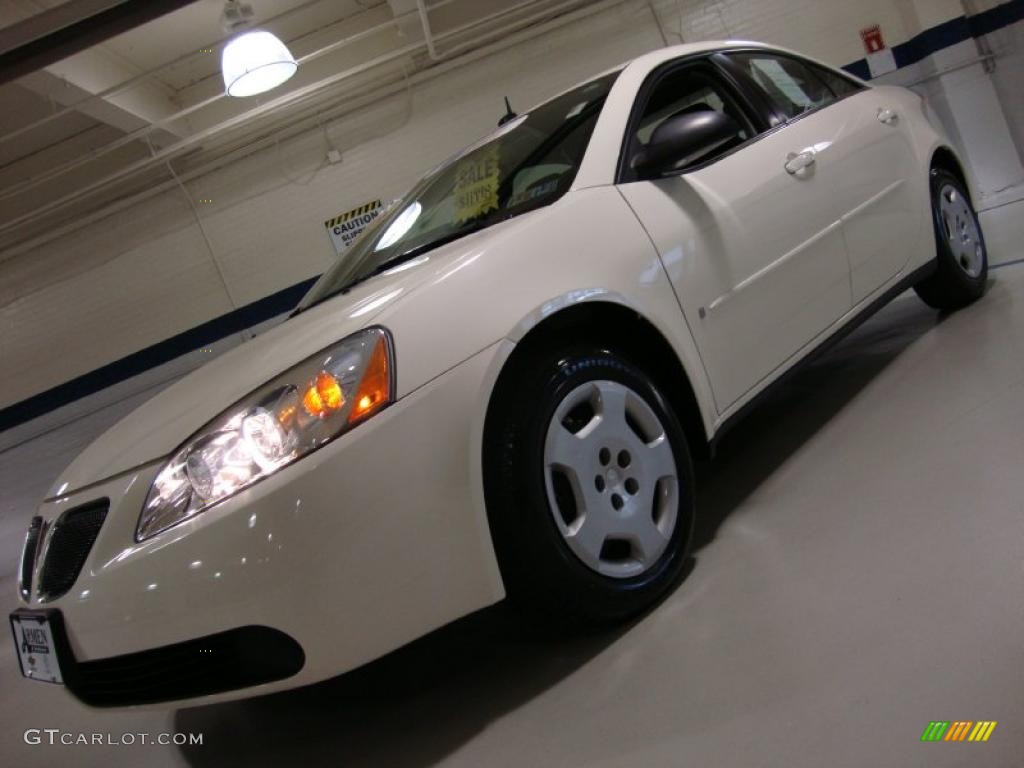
(502, 387)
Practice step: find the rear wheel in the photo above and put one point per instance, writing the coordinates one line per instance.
(589, 487)
(961, 257)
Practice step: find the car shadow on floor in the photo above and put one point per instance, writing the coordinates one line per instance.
(421, 703)
(788, 417)
(410, 708)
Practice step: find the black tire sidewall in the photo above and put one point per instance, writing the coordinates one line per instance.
(534, 557)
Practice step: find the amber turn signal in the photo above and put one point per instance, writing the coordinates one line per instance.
(375, 388)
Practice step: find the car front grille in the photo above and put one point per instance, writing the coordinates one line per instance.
(28, 556)
(69, 544)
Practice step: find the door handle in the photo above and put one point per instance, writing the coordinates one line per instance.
(887, 116)
(798, 161)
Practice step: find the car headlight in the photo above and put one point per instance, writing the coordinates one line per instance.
(295, 413)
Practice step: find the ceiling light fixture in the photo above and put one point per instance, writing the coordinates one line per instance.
(254, 61)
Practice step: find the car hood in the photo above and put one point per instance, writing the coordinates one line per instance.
(165, 422)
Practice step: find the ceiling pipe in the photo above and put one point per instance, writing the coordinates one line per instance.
(140, 134)
(281, 101)
(587, 9)
(421, 6)
(128, 84)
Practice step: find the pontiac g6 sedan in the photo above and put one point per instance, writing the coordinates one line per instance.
(500, 390)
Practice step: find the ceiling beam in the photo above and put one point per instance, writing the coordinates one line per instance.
(407, 18)
(73, 26)
(127, 112)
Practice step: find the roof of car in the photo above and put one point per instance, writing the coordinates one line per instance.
(684, 49)
(655, 57)
(660, 55)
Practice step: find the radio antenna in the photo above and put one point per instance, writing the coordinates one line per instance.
(509, 114)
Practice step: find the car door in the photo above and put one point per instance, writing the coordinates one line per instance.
(870, 155)
(750, 238)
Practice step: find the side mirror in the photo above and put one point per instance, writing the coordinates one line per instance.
(684, 139)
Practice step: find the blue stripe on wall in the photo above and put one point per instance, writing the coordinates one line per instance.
(1001, 16)
(163, 352)
(944, 35)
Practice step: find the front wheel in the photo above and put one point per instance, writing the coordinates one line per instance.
(589, 487)
(961, 258)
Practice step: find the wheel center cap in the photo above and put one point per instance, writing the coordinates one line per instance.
(612, 476)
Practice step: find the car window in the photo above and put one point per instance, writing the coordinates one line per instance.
(792, 87)
(690, 89)
(839, 85)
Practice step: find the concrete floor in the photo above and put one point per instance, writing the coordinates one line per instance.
(858, 572)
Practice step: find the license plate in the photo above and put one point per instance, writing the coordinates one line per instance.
(33, 637)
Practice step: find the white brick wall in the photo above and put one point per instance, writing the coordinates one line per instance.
(124, 283)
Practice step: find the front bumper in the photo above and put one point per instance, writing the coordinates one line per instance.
(231, 660)
(371, 541)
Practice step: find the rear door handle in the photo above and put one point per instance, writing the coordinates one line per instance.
(797, 161)
(887, 116)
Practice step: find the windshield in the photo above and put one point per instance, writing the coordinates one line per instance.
(528, 163)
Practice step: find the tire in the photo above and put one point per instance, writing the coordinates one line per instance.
(961, 268)
(540, 486)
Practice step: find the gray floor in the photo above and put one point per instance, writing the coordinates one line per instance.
(859, 571)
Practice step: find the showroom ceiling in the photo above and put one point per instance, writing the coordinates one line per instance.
(135, 114)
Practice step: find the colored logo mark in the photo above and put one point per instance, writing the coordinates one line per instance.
(958, 730)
